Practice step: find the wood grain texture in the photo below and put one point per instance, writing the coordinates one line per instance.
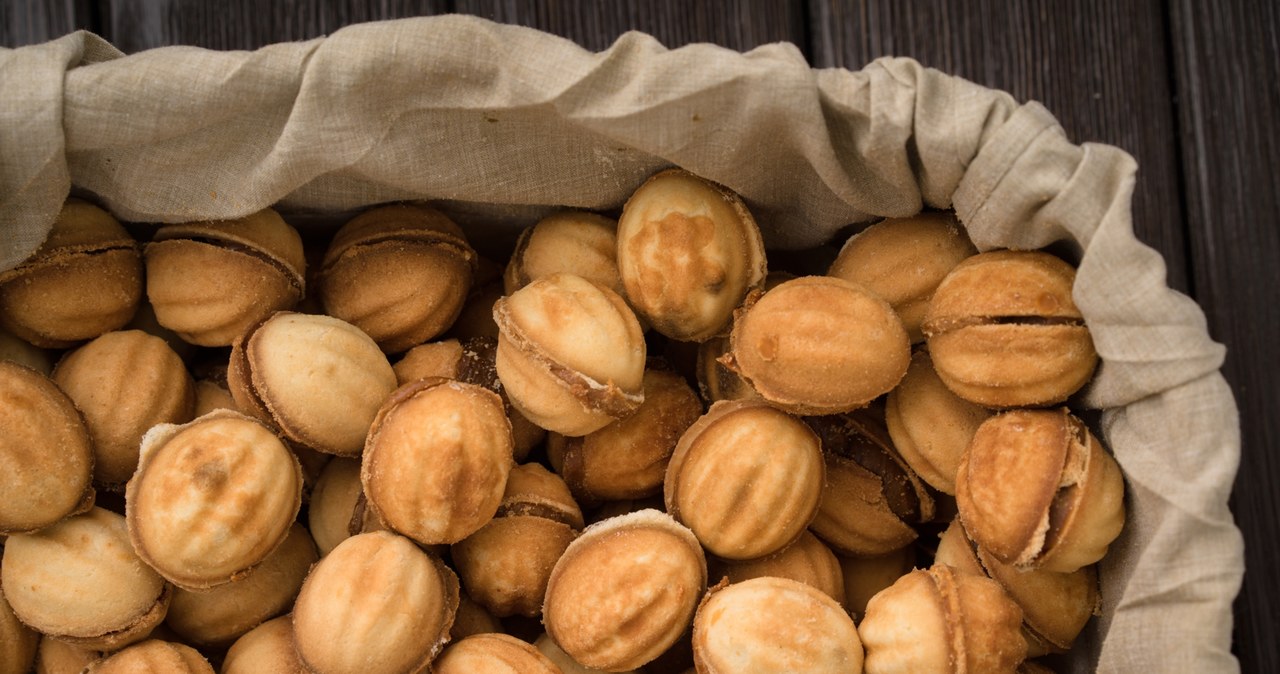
(134, 25)
(737, 24)
(1228, 66)
(24, 22)
(1101, 67)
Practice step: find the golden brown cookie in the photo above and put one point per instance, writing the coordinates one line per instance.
(209, 281)
(375, 605)
(46, 453)
(83, 281)
(902, 260)
(818, 345)
(400, 273)
(941, 620)
(746, 478)
(625, 590)
(436, 460)
(1004, 331)
(1037, 490)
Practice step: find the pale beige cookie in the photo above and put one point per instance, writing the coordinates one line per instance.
(318, 379)
(570, 355)
(80, 581)
(688, 252)
(774, 625)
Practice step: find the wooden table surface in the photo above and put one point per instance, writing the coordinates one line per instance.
(1190, 88)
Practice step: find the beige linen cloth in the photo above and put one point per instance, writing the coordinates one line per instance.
(499, 123)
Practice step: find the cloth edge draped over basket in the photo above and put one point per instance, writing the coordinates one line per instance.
(502, 122)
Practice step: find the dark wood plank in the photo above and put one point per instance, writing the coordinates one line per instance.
(1227, 57)
(738, 24)
(134, 25)
(24, 22)
(1100, 66)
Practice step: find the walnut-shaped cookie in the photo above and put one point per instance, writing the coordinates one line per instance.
(571, 354)
(493, 654)
(768, 625)
(931, 426)
(505, 565)
(942, 620)
(46, 454)
(866, 576)
(80, 581)
(212, 498)
(1037, 490)
(807, 560)
(436, 460)
(83, 281)
(872, 501)
(902, 260)
(625, 590)
(746, 478)
(318, 379)
(209, 281)
(124, 383)
(22, 352)
(218, 616)
(400, 273)
(576, 242)
(54, 656)
(18, 642)
(688, 252)
(628, 458)
(818, 345)
(547, 646)
(474, 361)
(266, 648)
(376, 604)
(153, 655)
(472, 618)
(333, 503)
(716, 380)
(1004, 330)
(1055, 606)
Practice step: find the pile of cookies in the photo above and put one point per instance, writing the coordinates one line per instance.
(633, 447)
